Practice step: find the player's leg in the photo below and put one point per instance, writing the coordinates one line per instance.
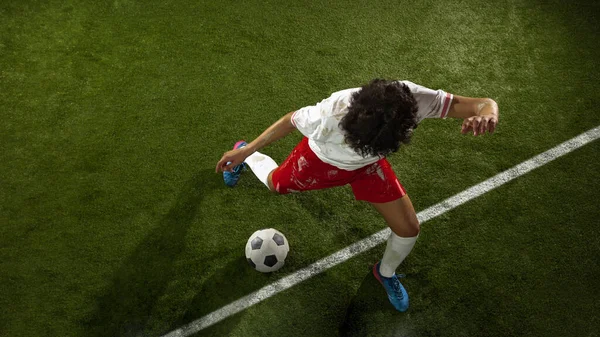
(264, 168)
(400, 216)
(260, 164)
(301, 171)
(379, 186)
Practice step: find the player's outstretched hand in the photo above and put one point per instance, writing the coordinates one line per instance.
(233, 157)
(480, 124)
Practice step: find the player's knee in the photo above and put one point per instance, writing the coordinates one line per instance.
(270, 183)
(414, 227)
(407, 227)
(272, 188)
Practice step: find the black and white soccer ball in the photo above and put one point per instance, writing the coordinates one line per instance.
(266, 250)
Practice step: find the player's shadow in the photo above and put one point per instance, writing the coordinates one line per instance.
(228, 284)
(370, 301)
(137, 285)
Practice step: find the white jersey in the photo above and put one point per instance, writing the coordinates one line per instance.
(320, 124)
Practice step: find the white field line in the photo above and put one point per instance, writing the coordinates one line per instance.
(379, 237)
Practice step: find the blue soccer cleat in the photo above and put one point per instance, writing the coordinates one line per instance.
(396, 292)
(231, 178)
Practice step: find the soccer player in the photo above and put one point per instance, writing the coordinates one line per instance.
(346, 140)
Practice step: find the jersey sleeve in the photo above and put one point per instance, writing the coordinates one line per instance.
(308, 120)
(319, 122)
(431, 103)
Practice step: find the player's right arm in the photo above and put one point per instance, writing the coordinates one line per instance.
(276, 131)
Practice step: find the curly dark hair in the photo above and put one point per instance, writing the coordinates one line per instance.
(381, 117)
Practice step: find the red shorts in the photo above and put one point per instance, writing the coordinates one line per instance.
(304, 171)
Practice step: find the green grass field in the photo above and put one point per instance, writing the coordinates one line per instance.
(114, 114)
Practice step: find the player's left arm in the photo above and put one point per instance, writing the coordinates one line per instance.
(480, 114)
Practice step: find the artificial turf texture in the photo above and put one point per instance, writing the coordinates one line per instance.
(114, 114)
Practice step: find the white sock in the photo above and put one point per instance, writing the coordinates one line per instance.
(396, 250)
(261, 166)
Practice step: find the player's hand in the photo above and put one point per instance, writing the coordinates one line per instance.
(233, 157)
(480, 124)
